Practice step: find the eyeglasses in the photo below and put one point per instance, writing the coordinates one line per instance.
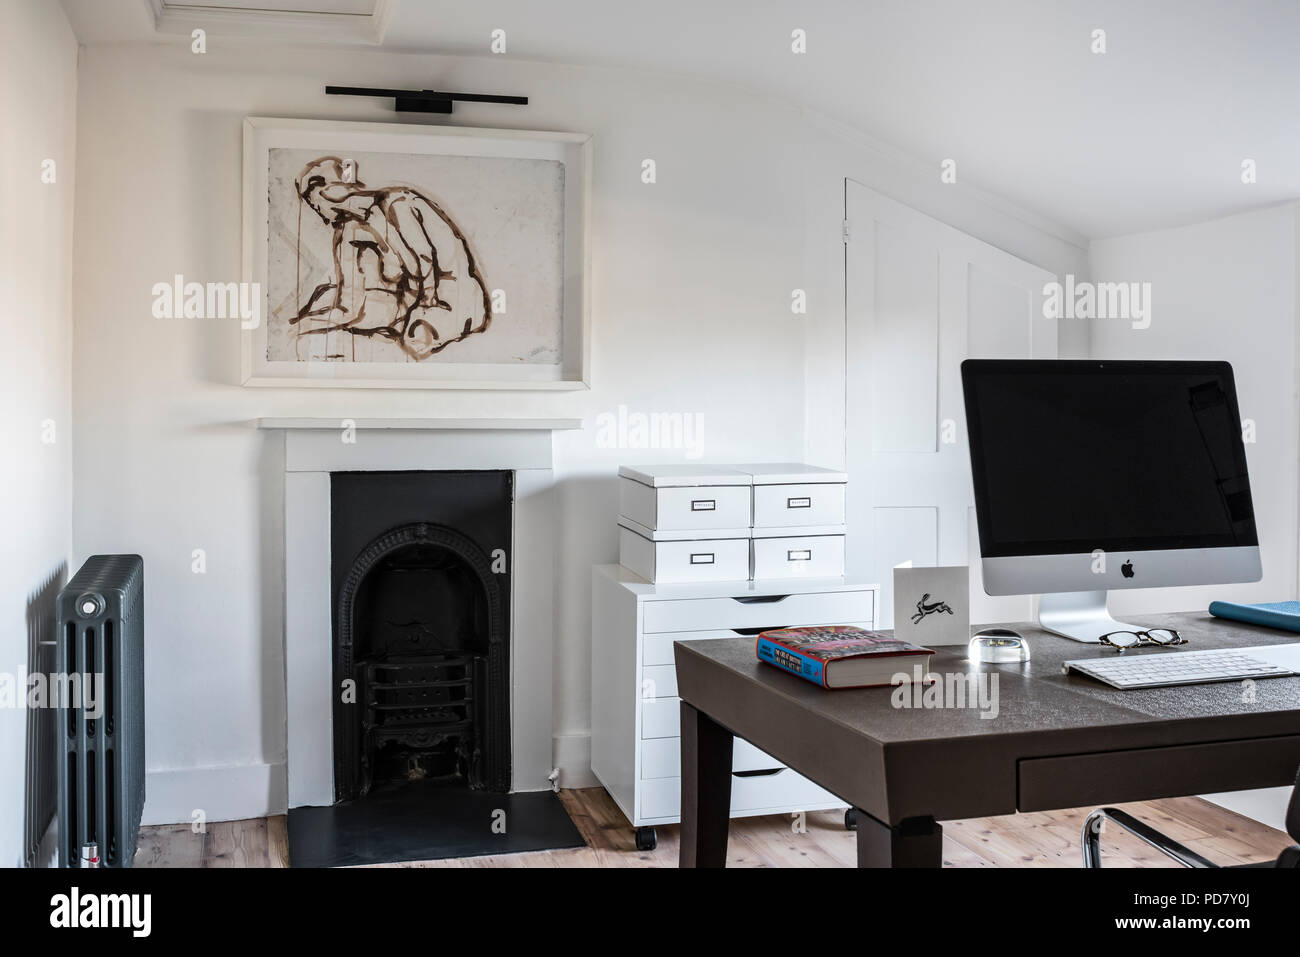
(1121, 641)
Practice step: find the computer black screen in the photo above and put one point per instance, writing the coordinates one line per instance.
(1072, 456)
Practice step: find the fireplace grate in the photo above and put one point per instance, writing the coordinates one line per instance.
(421, 635)
(420, 717)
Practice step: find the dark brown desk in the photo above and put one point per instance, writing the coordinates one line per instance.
(1058, 741)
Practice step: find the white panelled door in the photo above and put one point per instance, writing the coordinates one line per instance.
(921, 296)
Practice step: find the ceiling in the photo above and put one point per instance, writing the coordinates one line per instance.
(1150, 134)
(299, 6)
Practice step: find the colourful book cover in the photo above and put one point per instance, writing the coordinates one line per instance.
(807, 652)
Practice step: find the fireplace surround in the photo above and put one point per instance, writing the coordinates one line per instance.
(312, 451)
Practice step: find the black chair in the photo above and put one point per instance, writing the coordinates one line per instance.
(1290, 857)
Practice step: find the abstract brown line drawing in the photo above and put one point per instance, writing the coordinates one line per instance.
(402, 287)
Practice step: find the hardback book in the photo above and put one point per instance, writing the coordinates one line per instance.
(840, 656)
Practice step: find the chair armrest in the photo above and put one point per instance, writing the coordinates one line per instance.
(1165, 845)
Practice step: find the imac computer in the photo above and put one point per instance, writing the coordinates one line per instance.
(1091, 475)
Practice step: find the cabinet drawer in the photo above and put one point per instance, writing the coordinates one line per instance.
(658, 649)
(782, 506)
(810, 556)
(661, 718)
(786, 790)
(685, 508)
(677, 562)
(759, 611)
(662, 758)
(658, 681)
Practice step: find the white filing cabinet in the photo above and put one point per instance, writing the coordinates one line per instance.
(635, 711)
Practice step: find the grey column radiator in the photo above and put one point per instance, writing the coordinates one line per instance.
(101, 767)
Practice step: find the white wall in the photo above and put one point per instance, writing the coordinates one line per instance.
(38, 81)
(690, 313)
(832, 153)
(1223, 290)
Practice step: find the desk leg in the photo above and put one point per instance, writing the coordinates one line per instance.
(706, 790)
(916, 842)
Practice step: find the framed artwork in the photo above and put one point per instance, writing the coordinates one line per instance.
(403, 256)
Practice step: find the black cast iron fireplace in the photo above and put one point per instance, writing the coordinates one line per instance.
(421, 637)
(420, 566)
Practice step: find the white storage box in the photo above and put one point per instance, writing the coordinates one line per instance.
(675, 557)
(816, 552)
(684, 497)
(789, 495)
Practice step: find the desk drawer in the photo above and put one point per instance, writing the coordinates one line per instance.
(690, 508)
(760, 611)
(662, 758)
(1144, 774)
(786, 790)
(782, 506)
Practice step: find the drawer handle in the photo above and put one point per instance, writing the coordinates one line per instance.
(764, 773)
(702, 558)
(798, 503)
(751, 632)
(799, 555)
(760, 599)
(704, 504)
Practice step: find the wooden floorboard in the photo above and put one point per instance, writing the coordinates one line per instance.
(277, 841)
(815, 839)
(171, 845)
(237, 844)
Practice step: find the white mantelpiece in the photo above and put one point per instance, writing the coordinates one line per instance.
(316, 447)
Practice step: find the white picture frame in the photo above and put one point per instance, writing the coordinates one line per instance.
(572, 150)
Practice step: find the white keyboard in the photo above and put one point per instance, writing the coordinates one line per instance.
(1159, 669)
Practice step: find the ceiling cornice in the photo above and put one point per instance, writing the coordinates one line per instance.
(284, 25)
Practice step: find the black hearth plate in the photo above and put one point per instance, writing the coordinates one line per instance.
(427, 821)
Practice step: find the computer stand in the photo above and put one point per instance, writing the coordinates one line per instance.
(1079, 615)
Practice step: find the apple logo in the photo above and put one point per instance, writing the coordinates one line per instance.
(1126, 569)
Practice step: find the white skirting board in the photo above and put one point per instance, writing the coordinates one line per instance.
(238, 792)
(573, 758)
(231, 793)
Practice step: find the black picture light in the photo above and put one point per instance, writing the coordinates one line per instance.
(425, 101)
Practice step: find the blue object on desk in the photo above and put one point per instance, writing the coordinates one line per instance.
(1274, 614)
